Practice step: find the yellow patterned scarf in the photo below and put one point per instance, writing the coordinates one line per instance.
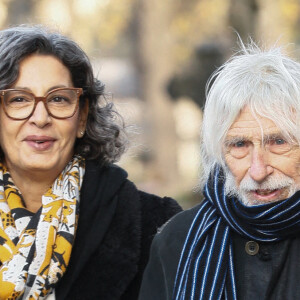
(35, 248)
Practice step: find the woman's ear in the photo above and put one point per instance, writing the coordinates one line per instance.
(83, 115)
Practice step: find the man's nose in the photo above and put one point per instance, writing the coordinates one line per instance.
(40, 116)
(259, 168)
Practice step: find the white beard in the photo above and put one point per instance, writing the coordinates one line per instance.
(248, 185)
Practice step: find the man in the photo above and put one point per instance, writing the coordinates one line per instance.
(242, 241)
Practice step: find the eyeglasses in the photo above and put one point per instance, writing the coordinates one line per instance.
(61, 103)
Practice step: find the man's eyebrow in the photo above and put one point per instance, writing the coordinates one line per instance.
(280, 135)
(230, 140)
(272, 136)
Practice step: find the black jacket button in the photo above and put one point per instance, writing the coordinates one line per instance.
(252, 248)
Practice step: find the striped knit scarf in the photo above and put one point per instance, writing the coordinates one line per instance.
(35, 248)
(206, 266)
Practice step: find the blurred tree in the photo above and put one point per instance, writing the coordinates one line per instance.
(197, 22)
(191, 82)
(243, 17)
(97, 25)
(153, 48)
(166, 34)
(20, 11)
(290, 10)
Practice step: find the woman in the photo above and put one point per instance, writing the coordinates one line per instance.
(72, 226)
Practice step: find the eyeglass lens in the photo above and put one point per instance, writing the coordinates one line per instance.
(60, 103)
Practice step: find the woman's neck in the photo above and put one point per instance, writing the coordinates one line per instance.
(32, 188)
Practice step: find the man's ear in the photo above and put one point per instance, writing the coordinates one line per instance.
(83, 115)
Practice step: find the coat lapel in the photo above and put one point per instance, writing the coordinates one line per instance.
(102, 222)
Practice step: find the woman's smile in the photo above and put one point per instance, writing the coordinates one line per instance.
(40, 143)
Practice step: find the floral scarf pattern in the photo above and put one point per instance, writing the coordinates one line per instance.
(35, 248)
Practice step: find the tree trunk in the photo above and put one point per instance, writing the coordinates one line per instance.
(154, 65)
(243, 17)
(20, 11)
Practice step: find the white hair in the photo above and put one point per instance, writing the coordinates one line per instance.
(267, 81)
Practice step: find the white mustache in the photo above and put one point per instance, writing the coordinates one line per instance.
(271, 183)
(248, 185)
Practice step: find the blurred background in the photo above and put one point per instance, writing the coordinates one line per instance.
(155, 57)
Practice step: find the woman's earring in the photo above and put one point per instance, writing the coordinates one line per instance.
(82, 132)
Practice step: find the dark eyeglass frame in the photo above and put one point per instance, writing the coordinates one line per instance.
(79, 92)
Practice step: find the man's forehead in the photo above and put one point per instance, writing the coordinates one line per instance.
(248, 123)
(262, 131)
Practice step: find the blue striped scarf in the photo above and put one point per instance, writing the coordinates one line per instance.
(206, 266)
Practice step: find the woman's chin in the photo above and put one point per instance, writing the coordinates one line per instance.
(48, 165)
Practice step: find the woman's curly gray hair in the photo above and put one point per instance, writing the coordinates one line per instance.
(105, 138)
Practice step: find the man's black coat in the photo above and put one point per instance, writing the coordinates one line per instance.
(271, 274)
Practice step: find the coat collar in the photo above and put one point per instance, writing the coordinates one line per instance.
(103, 226)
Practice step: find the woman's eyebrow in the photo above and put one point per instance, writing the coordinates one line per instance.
(21, 88)
(57, 87)
(48, 90)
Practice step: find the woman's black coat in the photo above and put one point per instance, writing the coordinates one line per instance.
(115, 228)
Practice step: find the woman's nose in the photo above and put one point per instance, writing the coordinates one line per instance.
(40, 116)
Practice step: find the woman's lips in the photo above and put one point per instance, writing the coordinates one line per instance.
(39, 143)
